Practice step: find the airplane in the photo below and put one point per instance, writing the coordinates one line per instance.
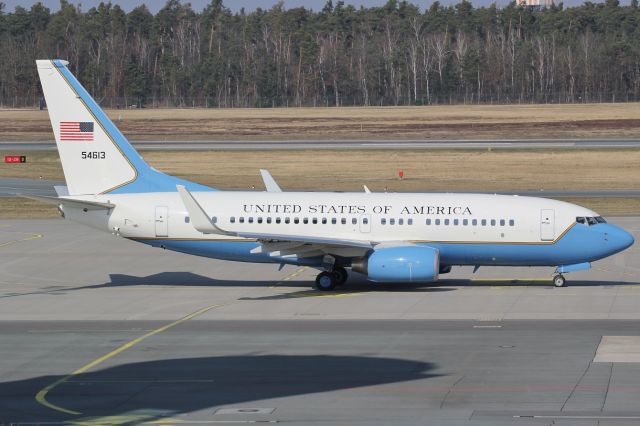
(388, 237)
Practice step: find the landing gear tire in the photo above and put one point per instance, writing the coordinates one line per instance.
(341, 275)
(326, 281)
(559, 281)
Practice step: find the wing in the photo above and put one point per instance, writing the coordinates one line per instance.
(275, 244)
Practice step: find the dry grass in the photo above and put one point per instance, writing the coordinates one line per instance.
(431, 122)
(425, 170)
(23, 208)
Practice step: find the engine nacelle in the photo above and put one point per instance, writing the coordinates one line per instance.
(404, 264)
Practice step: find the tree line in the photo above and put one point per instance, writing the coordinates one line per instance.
(338, 56)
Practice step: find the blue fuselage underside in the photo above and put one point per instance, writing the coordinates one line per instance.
(579, 244)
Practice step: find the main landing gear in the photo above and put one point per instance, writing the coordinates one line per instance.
(559, 281)
(326, 281)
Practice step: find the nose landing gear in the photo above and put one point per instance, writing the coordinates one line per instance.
(559, 281)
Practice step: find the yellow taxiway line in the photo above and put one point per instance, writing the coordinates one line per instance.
(41, 396)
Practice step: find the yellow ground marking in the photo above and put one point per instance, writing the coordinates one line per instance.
(41, 396)
(33, 236)
(289, 277)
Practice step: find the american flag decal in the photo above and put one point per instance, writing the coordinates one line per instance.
(76, 131)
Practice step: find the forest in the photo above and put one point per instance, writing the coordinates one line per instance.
(340, 55)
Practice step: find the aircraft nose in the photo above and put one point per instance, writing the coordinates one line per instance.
(618, 238)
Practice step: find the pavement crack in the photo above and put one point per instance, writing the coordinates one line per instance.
(606, 393)
(444, 399)
(575, 387)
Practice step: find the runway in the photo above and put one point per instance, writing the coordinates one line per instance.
(169, 145)
(95, 329)
(10, 187)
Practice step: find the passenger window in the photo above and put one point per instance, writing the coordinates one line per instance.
(455, 222)
(287, 220)
(187, 219)
(502, 222)
(383, 221)
(392, 221)
(343, 221)
(277, 220)
(334, 221)
(446, 221)
(241, 219)
(474, 222)
(437, 221)
(354, 221)
(296, 220)
(305, 220)
(251, 219)
(233, 219)
(324, 220)
(214, 219)
(512, 222)
(260, 220)
(314, 220)
(465, 222)
(493, 222)
(269, 220)
(409, 221)
(484, 222)
(400, 221)
(428, 221)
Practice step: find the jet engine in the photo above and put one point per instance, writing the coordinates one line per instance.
(402, 264)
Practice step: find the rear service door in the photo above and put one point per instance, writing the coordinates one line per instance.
(547, 225)
(162, 221)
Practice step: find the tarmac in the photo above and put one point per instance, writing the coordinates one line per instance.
(10, 187)
(95, 329)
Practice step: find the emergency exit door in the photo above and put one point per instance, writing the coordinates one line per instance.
(162, 221)
(365, 223)
(547, 225)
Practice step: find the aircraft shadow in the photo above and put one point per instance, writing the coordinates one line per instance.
(149, 390)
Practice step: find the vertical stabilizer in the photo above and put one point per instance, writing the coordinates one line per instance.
(95, 155)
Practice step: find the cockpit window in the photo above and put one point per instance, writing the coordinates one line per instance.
(590, 220)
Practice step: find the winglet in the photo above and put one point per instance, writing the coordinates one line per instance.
(269, 181)
(366, 189)
(199, 218)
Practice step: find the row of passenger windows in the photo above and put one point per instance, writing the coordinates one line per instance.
(365, 221)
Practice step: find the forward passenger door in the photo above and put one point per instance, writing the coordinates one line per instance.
(547, 225)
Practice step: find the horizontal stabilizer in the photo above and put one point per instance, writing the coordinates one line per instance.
(89, 205)
(62, 191)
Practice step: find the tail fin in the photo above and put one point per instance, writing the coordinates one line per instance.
(96, 157)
